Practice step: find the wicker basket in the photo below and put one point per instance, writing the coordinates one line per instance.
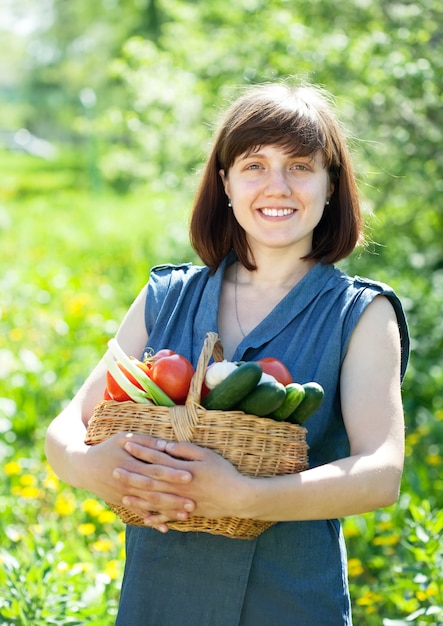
(257, 446)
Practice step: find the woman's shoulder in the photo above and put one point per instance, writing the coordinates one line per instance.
(167, 275)
(362, 291)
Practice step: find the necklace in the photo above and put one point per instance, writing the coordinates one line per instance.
(235, 301)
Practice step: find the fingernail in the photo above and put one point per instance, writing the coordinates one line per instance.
(126, 501)
(188, 506)
(160, 444)
(182, 516)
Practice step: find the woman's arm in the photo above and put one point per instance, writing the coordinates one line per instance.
(94, 467)
(368, 479)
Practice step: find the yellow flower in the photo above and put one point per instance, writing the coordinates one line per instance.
(16, 334)
(92, 507)
(112, 569)
(27, 480)
(434, 459)
(106, 516)
(102, 545)
(387, 525)
(12, 468)
(86, 529)
(65, 504)
(122, 537)
(369, 598)
(355, 567)
(386, 540)
(29, 493)
(77, 304)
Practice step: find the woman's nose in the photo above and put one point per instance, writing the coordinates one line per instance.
(277, 183)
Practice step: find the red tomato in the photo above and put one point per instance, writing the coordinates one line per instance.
(173, 375)
(276, 368)
(161, 353)
(107, 395)
(113, 388)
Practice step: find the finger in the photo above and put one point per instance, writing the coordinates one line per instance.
(166, 505)
(154, 456)
(185, 450)
(152, 470)
(145, 440)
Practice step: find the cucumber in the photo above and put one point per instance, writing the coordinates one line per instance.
(294, 396)
(314, 394)
(264, 399)
(233, 388)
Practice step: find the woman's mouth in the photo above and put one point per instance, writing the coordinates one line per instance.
(274, 212)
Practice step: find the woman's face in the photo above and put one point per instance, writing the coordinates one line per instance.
(278, 198)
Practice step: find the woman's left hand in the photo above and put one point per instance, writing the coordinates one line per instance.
(216, 485)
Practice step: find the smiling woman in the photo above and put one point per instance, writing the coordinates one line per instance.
(277, 206)
(278, 198)
(301, 128)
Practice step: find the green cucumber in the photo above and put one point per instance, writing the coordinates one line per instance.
(314, 394)
(233, 388)
(264, 399)
(294, 396)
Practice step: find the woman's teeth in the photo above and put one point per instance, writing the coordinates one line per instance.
(277, 212)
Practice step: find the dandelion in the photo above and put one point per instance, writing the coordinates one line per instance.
(112, 569)
(351, 528)
(102, 545)
(355, 567)
(16, 334)
(386, 540)
(29, 493)
(369, 600)
(12, 468)
(78, 303)
(106, 517)
(434, 459)
(27, 480)
(92, 507)
(65, 504)
(86, 529)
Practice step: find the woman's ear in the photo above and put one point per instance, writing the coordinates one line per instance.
(225, 181)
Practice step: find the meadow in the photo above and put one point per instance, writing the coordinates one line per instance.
(72, 259)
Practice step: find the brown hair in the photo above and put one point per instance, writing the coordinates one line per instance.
(301, 120)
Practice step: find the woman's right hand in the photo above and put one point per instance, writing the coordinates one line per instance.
(113, 474)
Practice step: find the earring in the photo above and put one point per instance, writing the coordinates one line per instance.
(327, 202)
(229, 204)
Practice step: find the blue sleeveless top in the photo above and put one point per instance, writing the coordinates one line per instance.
(295, 573)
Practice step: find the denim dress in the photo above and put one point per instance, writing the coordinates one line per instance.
(295, 573)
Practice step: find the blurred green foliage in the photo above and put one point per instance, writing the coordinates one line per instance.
(129, 92)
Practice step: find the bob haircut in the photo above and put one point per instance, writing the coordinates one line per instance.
(300, 120)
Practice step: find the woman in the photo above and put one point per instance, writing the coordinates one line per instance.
(277, 206)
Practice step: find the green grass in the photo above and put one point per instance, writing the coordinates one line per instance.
(71, 262)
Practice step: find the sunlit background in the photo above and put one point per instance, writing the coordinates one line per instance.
(106, 115)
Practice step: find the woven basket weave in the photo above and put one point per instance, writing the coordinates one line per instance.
(256, 446)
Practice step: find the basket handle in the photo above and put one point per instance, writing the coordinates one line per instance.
(211, 346)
